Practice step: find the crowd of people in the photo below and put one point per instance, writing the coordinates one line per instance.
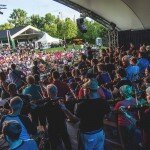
(42, 91)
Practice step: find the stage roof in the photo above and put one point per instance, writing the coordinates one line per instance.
(126, 14)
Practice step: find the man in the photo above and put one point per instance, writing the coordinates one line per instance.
(83, 64)
(27, 127)
(122, 76)
(16, 76)
(35, 68)
(142, 62)
(90, 112)
(36, 95)
(56, 119)
(12, 131)
(62, 87)
(25, 98)
(133, 70)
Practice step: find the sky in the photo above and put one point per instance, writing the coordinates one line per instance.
(40, 7)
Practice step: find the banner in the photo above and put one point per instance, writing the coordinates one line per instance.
(10, 40)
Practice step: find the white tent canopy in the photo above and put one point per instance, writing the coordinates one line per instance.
(48, 39)
(126, 14)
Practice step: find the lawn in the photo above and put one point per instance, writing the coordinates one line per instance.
(62, 48)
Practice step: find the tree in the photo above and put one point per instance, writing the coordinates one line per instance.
(49, 18)
(60, 28)
(37, 21)
(94, 30)
(70, 29)
(18, 18)
(6, 26)
(51, 29)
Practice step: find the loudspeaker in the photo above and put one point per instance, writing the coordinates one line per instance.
(81, 26)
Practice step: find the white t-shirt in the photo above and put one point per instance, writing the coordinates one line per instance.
(24, 134)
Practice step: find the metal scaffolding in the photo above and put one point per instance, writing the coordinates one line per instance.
(113, 38)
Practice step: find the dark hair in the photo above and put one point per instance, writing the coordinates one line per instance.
(106, 59)
(83, 57)
(94, 61)
(13, 66)
(2, 76)
(37, 78)
(55, 75)
(134, 60)
(12, 129)
(35, 62)
(102, 67)
(30, 79)
(143, 54)
(121, 72)
(66, 68)
(147, 79)
(12, 87)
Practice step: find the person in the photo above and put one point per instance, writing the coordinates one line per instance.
(126, 129)
(143, 123)
(57, 129)
(92, 135)
(27, 126)
(35, 68)
(12, 90)
(142, 62)
(4, 86)
(83, 64)
(103, 76)
(16, 76)
(36, 95)
(122, 76)
(133, 71)
(62, 87)
(147, 71)
(11, 131)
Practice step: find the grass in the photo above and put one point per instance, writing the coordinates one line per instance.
(60, 49)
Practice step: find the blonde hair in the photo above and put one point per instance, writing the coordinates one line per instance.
(148, 90)
(52, 89)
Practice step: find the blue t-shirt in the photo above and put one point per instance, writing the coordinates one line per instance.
(143, 63)
(33, 90)
(133, 73)
(29, 144)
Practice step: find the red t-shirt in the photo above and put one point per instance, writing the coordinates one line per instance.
(122, 120)
(62, 87)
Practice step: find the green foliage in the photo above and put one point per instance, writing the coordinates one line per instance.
(54, 26)
(37, 21)
(94, 30)
(6, 26)
(51, 29)
(49, 18)
(18, 18)
(70, 29)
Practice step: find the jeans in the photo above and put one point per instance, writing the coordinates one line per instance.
(93, 141)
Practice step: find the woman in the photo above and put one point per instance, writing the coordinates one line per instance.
(126, 130)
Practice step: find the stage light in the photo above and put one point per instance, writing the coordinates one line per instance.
(81, 26)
